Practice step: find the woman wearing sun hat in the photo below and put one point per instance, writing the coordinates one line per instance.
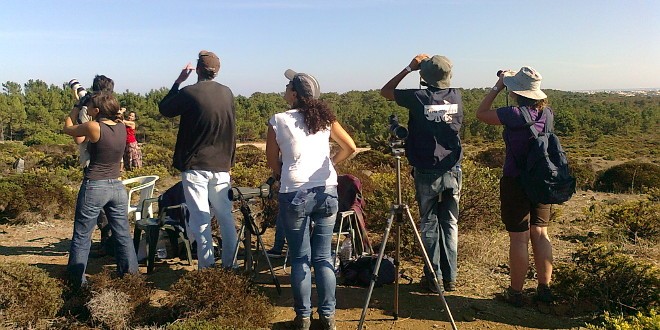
(524, 220)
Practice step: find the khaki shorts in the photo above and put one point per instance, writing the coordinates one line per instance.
(518, 213)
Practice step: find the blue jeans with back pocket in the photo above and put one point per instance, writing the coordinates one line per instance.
(94, 195)
(438, 194)
(299, 212)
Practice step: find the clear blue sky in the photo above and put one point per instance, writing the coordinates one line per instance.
(346, 44)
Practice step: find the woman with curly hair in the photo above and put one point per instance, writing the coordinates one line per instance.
(298, 151)
(100, 189)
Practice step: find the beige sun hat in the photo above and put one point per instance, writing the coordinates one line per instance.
(526, 82)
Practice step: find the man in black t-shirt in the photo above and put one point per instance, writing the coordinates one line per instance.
(204, 153)
(434, 150)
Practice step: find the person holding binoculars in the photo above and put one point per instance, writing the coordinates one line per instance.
(308, 191)
(433, 148)
(525, 221)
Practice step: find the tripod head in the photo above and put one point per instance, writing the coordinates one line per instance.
(398, 135)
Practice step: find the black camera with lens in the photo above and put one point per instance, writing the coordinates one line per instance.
(398, 132)
(247, 193)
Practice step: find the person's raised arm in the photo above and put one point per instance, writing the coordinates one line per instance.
(273, 153)
(484, 112)
(388, 90)
(89, 130)
(169, 107)
(346, 143)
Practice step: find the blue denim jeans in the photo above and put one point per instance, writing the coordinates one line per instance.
(202, 190)
(299, 211)
(438, 194)
(111, 197)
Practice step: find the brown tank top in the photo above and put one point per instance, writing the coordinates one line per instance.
(107, 152)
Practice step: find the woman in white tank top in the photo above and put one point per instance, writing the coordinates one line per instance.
(298, 152)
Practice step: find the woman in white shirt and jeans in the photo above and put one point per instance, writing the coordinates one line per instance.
(308, 191)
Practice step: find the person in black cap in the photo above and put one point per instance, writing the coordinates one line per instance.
(298, 152)
(434, 150)
(204, 153)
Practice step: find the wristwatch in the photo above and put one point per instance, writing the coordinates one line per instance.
(408, 68)
(495, 88)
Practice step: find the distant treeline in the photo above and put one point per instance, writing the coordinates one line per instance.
(34, 112)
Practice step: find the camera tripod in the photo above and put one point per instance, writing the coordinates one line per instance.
(249, 228)
(396, 216)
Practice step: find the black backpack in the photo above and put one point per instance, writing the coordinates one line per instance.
(544, 174)
(359, 271)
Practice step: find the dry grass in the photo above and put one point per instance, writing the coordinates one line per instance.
(110, 309)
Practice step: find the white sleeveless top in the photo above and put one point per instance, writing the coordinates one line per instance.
(306, 159)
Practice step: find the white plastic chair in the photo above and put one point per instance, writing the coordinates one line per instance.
(145, 188)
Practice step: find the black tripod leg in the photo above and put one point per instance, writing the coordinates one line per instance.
(238, 242)
(374, 276)
(260, 246)
(427, 261)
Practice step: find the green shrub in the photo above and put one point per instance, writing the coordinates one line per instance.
(602, 278)
(37, 195)
(584, 174)
(371, 159)
(491, 157)
(250, 155)
(156, 155)
(227, 298)
(480, 198)
(160, 170)
(620, 322)
(629, 177)
(247, 175)
(46, 137)
(27, 294)
(637, 219)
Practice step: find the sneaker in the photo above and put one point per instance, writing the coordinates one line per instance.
(428, 285)
(544, 294)
(274, 254)
(449, 285)
(513, 297)
(328, 322)
(302, 323)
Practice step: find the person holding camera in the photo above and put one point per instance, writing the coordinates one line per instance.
(524, 220)
(204, 153)
(434, 150)
(298, 152)
(101, 188)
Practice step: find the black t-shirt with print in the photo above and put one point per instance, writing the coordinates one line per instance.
(435, 119)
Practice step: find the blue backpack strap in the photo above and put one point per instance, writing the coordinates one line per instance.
(529, 122)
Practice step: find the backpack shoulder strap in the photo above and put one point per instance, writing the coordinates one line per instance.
(529, 122)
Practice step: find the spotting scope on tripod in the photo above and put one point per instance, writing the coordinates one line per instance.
(397, 144)
(249, 226)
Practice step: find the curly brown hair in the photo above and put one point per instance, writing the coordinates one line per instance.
(316, 113)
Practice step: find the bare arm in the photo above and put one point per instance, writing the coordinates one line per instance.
(388, 90)
(273, 153)
(484, 112)
(346, 143)
(130, 124)
(89, 130)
